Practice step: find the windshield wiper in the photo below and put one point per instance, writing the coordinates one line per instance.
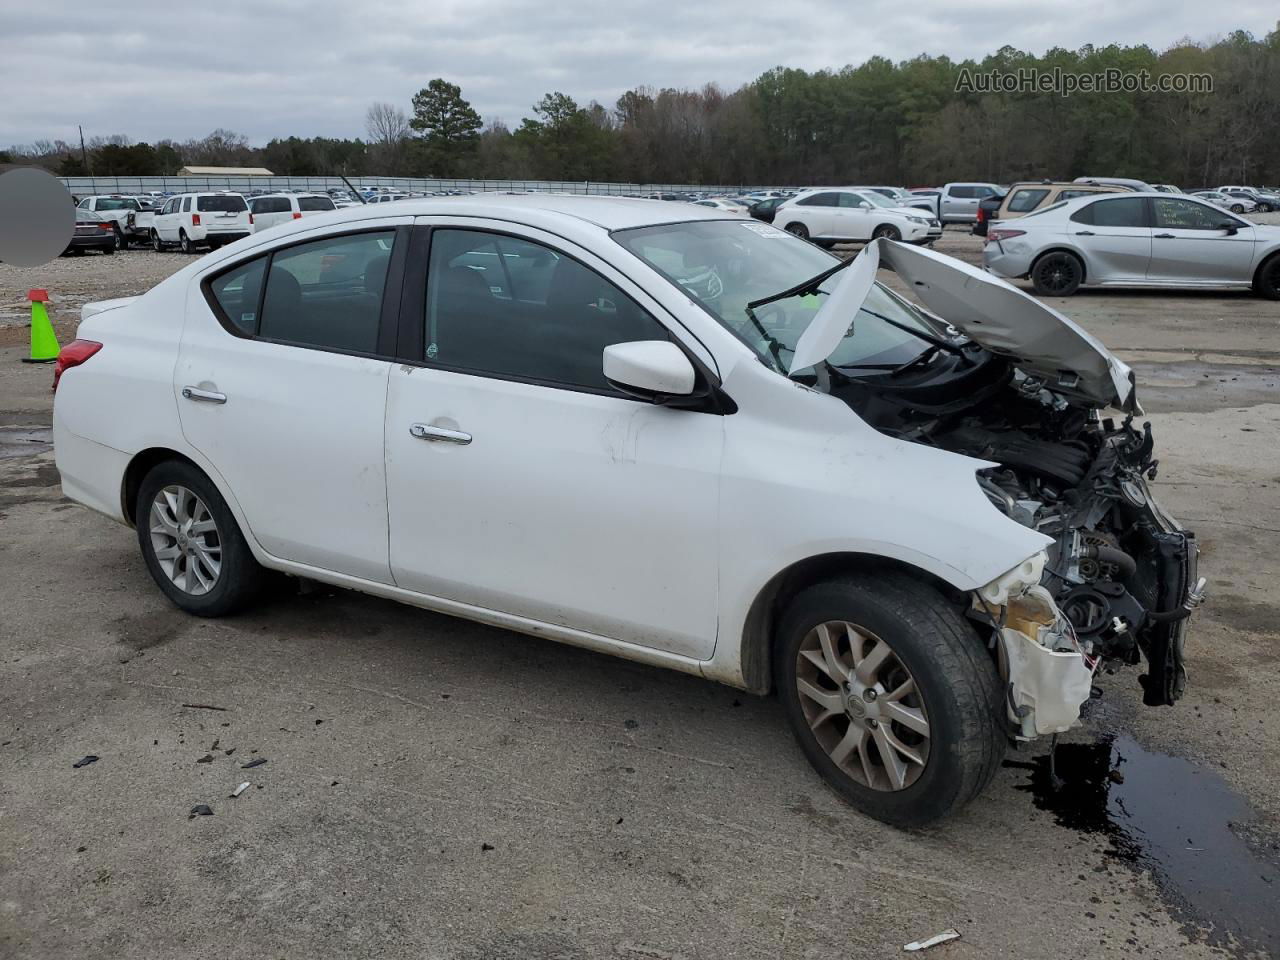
(928, 338)
(807, 286)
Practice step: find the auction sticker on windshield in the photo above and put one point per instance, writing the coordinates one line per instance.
(764, 230)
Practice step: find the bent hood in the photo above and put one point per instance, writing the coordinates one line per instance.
(988, 310)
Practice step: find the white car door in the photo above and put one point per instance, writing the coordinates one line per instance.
(853, 218)
(1189, 242)
(163, 221)
(282, 387)
(518, 480)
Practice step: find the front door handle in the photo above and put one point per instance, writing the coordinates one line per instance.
(203, 396)
(424, 431)
(1165, 236)
(1084, 233)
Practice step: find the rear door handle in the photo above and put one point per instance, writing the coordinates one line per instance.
(1165, 236)
(203, 396)
(424, 431)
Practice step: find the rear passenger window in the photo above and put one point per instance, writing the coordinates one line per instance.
(1121, 212)
(510, 308)
(820, 200)
(1024, 201)
(328, 293)
(325, 294)
(238, 292)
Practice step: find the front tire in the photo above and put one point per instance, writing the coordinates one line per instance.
(156, 243)
(891, 695)
(1057, 274)
(1237, 208)
(886, 231)
(192, 544)
(799, 229)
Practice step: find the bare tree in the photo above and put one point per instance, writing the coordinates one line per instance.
(388, 128)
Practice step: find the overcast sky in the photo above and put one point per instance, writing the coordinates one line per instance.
(151, 69)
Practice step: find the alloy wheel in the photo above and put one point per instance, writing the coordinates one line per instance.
(1059, 274)
(184, 537)
(862, 706)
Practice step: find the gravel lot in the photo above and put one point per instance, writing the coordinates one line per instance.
(436, 788)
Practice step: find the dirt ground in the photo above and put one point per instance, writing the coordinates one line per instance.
(435, 788)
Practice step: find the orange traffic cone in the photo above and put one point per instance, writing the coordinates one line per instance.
(44, 343)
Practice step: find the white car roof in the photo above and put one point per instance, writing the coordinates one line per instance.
(610, 213)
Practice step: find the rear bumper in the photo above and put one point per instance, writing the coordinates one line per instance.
(1004, 264)
(103, 241)
(92, 474)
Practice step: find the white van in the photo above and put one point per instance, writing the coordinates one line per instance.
(190, 219)
(273, 209)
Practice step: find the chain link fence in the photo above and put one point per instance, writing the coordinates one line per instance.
(87, 186)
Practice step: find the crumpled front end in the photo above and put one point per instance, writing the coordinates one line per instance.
(1046, 673)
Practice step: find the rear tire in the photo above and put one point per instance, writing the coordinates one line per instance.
(192, 544)
(184, 242)
(1057, 274)
(799, 229)
(1266, 283)
(909, 738)
(122, 242)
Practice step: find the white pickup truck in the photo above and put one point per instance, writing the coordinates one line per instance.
(132, 219)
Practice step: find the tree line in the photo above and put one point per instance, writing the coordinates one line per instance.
(919, 121)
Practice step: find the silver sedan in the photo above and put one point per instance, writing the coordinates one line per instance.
(1135, 240)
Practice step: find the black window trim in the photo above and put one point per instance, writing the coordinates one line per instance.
(411, 338)
(391, 294)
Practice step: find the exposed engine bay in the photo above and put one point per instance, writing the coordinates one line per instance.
(1120, 570)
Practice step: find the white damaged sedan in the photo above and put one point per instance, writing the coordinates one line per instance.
(705, 444)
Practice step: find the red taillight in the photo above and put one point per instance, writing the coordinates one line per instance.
(195, 219)
(297, 215)
(982, 214)
(72, 355)
(998, 235)
(106, 226)
(251, 219)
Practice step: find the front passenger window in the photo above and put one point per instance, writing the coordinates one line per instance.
(510, 308)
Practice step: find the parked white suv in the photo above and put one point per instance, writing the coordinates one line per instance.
(828, 216)
(190, 219)
(273, 209)
(704, 445)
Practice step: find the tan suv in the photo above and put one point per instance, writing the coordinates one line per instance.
(1024, 197)
(1028, 195)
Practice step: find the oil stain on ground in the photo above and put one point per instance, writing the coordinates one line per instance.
(1176, 819)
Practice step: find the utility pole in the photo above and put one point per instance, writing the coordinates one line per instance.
(84, 157)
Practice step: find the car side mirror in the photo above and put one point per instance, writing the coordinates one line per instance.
(654, 370)
(1230, 227)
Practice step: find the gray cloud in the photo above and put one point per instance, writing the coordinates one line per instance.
(153, 69)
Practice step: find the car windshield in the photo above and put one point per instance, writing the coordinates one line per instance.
(723, 265)
(221, 204)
